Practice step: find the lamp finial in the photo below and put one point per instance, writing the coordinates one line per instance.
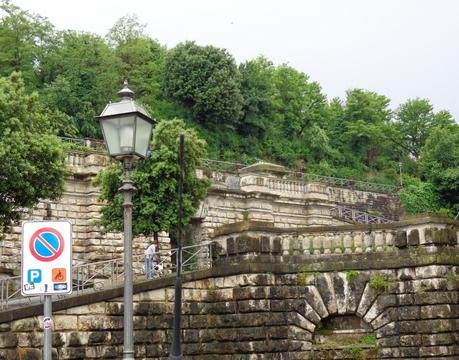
(125, 93)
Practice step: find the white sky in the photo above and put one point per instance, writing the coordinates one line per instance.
(400, 48)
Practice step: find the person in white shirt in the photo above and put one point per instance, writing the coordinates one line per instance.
(150, 254)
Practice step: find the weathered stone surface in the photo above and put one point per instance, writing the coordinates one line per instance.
(314, 298)
(413, 238)
(400, 239)
(265, 306)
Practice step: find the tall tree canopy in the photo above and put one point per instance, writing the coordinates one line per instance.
(23, 38)
(257, 110)
(415, 120)
(155, 201)
(440, 164)
(81, 73)
(31, 156)
(206, 79)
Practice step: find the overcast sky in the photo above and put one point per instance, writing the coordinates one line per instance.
(400, 48)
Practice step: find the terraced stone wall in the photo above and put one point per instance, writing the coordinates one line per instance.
(259, 303)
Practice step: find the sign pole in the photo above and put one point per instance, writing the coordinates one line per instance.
(47, 328)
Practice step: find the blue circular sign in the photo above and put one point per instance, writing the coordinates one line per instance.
(46, 244)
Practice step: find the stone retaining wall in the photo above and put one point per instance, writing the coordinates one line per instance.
(258, 302)
(428, 231)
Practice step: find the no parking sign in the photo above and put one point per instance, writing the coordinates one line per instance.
(46, 258)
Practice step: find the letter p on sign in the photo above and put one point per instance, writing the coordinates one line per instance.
(34, 276)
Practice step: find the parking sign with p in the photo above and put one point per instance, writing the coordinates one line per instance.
(46, 258)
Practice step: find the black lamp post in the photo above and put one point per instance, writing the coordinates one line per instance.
(127, 129)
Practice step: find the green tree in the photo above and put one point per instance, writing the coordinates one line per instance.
(126, 29)
(365, 122)
(257, 88)
(205, 79)
(23, 37)
(300, 113)
(142, 63)
(440, 164)
(80, 72)
(415, 120)
(31, 156)
(419, 196)
(156, 201)
(23, 40)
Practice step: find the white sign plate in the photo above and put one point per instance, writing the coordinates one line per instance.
(46, 258)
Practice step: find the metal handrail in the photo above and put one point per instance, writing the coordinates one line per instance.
(349, 183)
(108, 274)
(357, 216)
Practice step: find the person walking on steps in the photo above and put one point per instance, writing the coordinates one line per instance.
(150, 254)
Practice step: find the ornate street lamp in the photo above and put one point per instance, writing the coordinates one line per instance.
(127, 129)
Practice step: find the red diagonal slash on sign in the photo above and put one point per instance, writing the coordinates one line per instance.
(37, 236)
(47, 244)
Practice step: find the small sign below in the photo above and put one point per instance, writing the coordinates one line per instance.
(47, 323)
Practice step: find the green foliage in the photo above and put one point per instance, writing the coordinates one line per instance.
(366, 116)
(303, 276)
(257, 88)
(356, 352)
(378, 283)
(155, 201)
(23, 38)
(415, 120)
(245, 113)
(80, 73)
(125, 30)
(369, 340)
(31, 156)
(419, 197)
(206, 79)
(440, 164)
(351, 275)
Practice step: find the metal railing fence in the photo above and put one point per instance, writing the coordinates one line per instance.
(108, 274)
(357, 216)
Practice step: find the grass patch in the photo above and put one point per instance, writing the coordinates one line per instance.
(378, 283)
(351, 275)
(368, 340)
(301, 277)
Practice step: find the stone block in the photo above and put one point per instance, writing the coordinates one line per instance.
(65, 322)
(439, 311)
(77, 339)
(324, 285)
(400, 239)
(28, 324)
(413, 238)
(435, 351)
(314, 299)
(410, 340)
(100, 322)
(430, 271)
(438, 339)
(8, 340)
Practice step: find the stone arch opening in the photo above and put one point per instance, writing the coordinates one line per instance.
(343, 337)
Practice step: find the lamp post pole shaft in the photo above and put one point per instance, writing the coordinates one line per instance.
(47, 336)
(176, 349)
(128, 189)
